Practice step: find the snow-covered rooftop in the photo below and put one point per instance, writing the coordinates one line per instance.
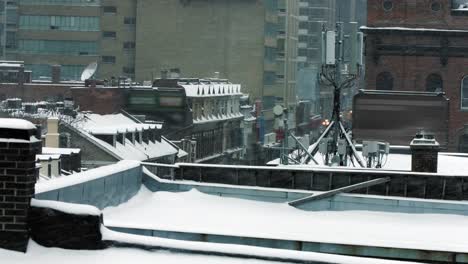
(112, 124)
(77, 178)
(220, 117)
(78, 209)
(447, 163)
(14, 123)
(46, 157)
(62, 151)
(197, 212)
(118, 123)
(204, 90)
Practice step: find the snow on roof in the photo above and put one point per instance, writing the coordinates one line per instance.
(115, 123)
(14, 123)
(415, 29)
(89, 175)
(63, 151)
(462, 7)
(46, 157)
(15, 65)
(95, 124)
(39, 254)
(77, 209)
(15, 140)
(204, 90)
(212, 118)
(197, 212)
(448, 164)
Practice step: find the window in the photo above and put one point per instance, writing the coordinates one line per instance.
(464, 93)
(434, 83)
(71, 72)
(62, 23)
(61, 47)
(463, 144)
(108, 59)
(384, 81)
(129, 45)
(387, 5)
(109, 10)
(269, 77)
(128, 70)
(436, 6)
(109, 34)
(129, 20)
(11, 41)
(39, 70)
(60, 2)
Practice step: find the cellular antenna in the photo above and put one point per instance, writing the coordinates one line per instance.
(89, 71)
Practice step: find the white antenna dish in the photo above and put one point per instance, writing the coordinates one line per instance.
(89, 71)
(278, 110)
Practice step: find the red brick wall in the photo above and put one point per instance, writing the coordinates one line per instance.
(414, 13)
(98, 100)
(410, 72)
(34, 92)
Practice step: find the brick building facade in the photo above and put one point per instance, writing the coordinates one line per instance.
(96, 99)
(421, 45)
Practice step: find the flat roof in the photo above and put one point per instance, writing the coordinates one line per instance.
(196, 212)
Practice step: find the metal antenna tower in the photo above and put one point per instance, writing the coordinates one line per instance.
(335, 143)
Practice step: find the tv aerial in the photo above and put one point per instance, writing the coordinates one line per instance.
(89, 71)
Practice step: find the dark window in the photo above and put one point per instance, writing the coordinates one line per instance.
(463, 145)
(436, 6)
(434, 83)
(129, 20)
(269, 77)
(109, 34)
(387, 5)
(109, 9)
(49, 170)
(129, 45)
(108, 59)
(464, 93)
(384, 81)
(128, 70)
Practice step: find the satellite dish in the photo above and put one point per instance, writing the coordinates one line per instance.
(89, 71)
(278, 110)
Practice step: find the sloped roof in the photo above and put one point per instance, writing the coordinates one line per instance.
(91, 124)
(210, 90)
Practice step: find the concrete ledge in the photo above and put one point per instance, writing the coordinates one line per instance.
(319, 247)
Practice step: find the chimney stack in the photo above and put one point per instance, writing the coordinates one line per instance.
(424, 152)
(18, 148)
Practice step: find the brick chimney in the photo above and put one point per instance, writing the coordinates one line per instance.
(18, 173)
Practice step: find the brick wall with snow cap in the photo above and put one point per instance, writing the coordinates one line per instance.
(18, 148)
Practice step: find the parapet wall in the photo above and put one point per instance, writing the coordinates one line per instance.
(69, 226)
(105, 186)
(402, 183)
